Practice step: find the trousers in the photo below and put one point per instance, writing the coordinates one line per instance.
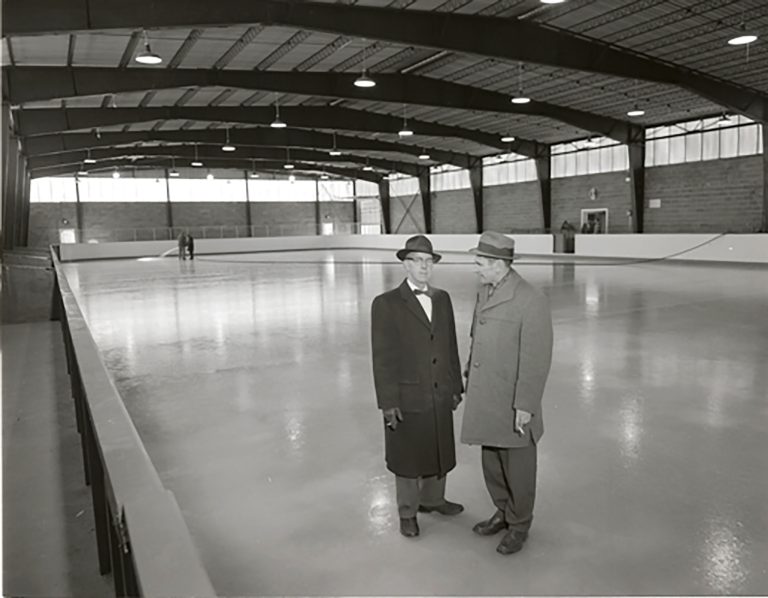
(412, 492)
(510, 476)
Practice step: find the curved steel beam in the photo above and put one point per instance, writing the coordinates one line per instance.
(41, 121)
(37, 83)
(471, 34)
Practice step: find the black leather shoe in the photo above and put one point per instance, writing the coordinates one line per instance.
(512, 542)
(491, 526)
(447, 508)
(409, 527)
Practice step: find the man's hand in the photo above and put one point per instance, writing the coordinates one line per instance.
(522, 418)
(392, 416)
(456, 401)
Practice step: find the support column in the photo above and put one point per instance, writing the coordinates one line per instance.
(318, 216)
(476, 180)
(636, 148)
(247, 205)
(544, 175)
(22, 203)
(79, 223)
(386, 217)
(10, 186)
(168, 207)
(6, 149)
(764, 224)
(425, 186)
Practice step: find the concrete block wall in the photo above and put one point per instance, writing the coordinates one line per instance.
(340, 213)
(712, 196)
(45, 220)
(199, 214)
(277, 218)
(103, 221)
(572, 194)
(407, 214)
(453, 212)
(516, 207)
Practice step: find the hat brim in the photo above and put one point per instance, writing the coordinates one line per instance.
(403, 253)
(477, 251)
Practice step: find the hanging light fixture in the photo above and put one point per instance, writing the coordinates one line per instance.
(209, 176)
(743, 38)
(323, 176)
(88, 159)
(334, 151)
(364, 80)
(173, 172)
(367, 167)
(116, 173)
(228, 147)
(635, 111)
(254, 174)
(520, 98)
(277, 123)
(405, 131)
(196, 162)
(291, 179)
(288, 165)
(552, 1)
(507, 138)
(147, 56)
(424, 155)
(82, 171)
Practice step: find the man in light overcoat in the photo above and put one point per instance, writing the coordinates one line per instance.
(510, 357)
(418, 383)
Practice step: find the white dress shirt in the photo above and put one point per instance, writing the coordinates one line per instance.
(425, 300)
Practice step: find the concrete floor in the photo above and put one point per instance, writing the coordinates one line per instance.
(249, 380)
(49, 543)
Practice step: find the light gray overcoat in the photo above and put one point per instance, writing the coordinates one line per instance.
(509, 361)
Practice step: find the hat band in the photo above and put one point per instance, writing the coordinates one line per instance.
(492, 249)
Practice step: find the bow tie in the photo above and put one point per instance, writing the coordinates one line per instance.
(428, 293)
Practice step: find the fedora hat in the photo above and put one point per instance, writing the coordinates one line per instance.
(495, 245)
(418, 244)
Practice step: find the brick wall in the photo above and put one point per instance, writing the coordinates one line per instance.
(209, 213)
(453, 212)
(413, 222)
(711, 196)
(571, 194)
(123, 221)
(340, 213)
(516, 207)
(277, 218)
(46, 218)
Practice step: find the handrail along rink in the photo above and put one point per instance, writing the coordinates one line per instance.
(141, 536)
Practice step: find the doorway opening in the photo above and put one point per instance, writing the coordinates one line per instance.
(594, 221)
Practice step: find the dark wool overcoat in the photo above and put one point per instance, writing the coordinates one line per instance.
(416, 368)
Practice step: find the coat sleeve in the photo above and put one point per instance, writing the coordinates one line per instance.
(386, 354)
(535, 357)
(468, 363)
(458, 385)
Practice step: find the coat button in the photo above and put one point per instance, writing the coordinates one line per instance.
(431, 337)
(434, 360)
(435, 384)
(476, 364)
(482, 320)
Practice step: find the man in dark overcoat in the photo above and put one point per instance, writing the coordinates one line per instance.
(508, 366)
(417, 376)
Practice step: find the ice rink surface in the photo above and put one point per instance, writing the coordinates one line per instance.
(249, 380)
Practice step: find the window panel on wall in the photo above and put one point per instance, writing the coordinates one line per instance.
(748, 138)
(281, 190)
(558, 166)
(204, 190)
(661, 152)
(582, 162)
(620, 157)
(52, 190)
(650, 152)
(593, 161)
(404, 186)
(335, 191)
(693, 143)
(729, 142)
(367, 188)
(449, 180)
(677, 149)
(710, 145)
(123, 190)
(606, 159)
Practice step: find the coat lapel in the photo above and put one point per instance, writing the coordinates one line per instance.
(413, 304)
(502, 294)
